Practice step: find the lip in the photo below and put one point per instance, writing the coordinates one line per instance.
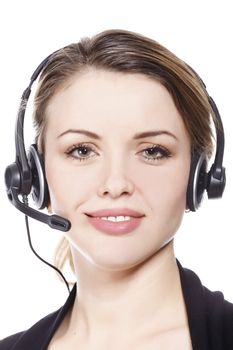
(116, 212)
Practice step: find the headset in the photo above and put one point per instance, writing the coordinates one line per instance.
(27, 175)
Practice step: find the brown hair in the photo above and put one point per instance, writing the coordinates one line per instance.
(124, 51)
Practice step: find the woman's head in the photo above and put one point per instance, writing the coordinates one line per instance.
(117, 85)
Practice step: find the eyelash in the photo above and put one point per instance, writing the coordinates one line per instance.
(165, 153)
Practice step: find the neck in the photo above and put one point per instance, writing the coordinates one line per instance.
(111, 302)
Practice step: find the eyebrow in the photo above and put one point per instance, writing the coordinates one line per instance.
(81, 131)
(143, 134)
(137, 136)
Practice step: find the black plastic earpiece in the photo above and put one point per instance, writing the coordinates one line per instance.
(39, 190)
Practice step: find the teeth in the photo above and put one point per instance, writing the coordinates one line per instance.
(115, 218)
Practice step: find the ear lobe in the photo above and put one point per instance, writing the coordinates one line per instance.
(49, 208)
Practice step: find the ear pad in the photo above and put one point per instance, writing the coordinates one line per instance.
(197, 181)
(39, 191)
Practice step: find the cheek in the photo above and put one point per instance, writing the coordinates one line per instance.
(68, 187)
(164, 193)
(164, 188)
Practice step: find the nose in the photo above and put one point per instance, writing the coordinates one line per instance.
(116, 181)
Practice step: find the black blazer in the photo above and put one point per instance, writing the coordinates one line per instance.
(210, 319)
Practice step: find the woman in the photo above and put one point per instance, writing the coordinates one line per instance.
(120, 124)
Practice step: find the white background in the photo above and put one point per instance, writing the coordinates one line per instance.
(200, 32)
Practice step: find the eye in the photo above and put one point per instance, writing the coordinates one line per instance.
(80, 152)
(156, 153)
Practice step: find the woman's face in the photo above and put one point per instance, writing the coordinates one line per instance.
(118, 167)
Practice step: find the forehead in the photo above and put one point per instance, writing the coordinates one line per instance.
(103, 100)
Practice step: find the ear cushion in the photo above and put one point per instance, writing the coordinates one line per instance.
(197, 181)
(39, 192)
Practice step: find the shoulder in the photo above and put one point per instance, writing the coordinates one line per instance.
(39, 335)
(9, 342)
(28, 338)
(210, 315)
(219, 315)
(215, 305)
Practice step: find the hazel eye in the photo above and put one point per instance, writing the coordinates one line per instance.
(156, 153)
(80, 152)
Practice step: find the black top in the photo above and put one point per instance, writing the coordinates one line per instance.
(210, 319)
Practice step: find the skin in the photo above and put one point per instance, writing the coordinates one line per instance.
(128, 286)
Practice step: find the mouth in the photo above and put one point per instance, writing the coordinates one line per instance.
(114, 225)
